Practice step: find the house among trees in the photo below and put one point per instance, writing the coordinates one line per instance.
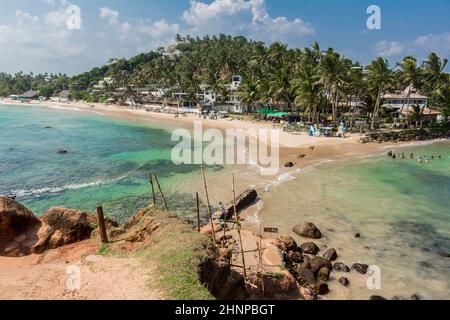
(400, 101)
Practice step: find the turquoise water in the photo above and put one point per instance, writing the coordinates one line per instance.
(400, 207)
(107, 163)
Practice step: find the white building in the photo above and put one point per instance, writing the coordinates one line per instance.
(401, 100)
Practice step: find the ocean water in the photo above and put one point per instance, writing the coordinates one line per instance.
(107, 163)
(401, 208)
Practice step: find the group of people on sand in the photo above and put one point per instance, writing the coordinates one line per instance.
(412, 156)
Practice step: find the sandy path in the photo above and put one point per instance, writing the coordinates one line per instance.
(46, 277)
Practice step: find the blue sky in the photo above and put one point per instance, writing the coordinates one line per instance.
(34, 34)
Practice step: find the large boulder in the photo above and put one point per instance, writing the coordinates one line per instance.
(14, 219)
(289, 243)
(305, 276)
(243, 201)
(318, 263)
(62, 227)
(308, 230)
(310, 248)
(330, 254)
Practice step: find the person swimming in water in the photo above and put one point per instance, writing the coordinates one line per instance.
(412, 156)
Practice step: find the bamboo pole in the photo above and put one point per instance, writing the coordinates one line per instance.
(236, 217)
(161, 192)
(208, 204)
(198, 212)
(101, 225)
(150, 179)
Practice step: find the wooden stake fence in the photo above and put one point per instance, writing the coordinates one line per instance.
(208, 204)
(162, 194)
(101, 225)
(236, 217)
(150, 179)
(198, 212)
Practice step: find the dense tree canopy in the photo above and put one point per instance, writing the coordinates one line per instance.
(309, 79)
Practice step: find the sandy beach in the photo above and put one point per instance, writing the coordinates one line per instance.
(291, 144)
(277, 197)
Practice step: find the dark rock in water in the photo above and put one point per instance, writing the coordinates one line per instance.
(360, 268)
(358, 235)
(62, 151)
(310, 248)
(308, 230)
(425, 264)
(377, 298)
(344, 281)
(305, 276)
(289, 242)
(244, 200)
(318, 263)
(340, 267)
(289, 164)
(330, 254)
(444, 254)
(321, 288)
(324, 274)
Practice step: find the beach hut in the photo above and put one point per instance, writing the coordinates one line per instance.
(29, 95)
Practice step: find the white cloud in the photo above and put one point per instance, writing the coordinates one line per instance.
(32, 42)
(135, 36)
(439, 43)
(248, 17)
(110, 15)
(389, 49)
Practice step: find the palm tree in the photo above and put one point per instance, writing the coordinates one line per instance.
(248, 92)
(410, 76)
(331, 71)
(308, 88)
(379, 77)
(435, 80)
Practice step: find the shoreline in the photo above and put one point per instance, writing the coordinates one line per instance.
(291, 145)
(327, 150)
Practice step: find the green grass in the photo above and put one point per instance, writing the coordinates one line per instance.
(104, 250)
(177, 251)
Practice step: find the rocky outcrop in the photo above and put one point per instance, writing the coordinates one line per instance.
(308, 230)
(22, 233)
(222, 281)
(243, 201)
(61, 227)
(406, 135)
(14, 219)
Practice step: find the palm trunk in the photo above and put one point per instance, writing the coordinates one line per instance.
(375, 111)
